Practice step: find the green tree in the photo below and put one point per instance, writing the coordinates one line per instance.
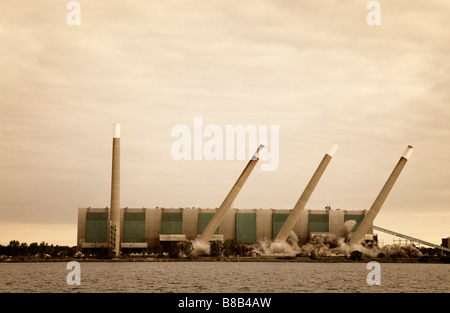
(43, 248)
(104, 253)
(216, 248)
(173, 250)
(33, 248)
(239, 248)
(159, 250)
(228, 247)
(14, 248)
(23, 249)
(187, 248)
(356, 255)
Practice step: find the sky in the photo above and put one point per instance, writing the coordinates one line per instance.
(316, 69)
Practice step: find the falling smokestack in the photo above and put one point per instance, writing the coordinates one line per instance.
(300, 205)
(114, 223)
(221, 212)
(378, 203)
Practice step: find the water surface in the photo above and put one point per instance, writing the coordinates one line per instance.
(223, 277)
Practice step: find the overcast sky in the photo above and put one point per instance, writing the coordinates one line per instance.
(315, 68)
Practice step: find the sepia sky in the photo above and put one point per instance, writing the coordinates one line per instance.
(315, 68)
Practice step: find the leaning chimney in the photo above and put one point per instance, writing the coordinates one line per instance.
(379, 201)
(226, 204)
(300, 205)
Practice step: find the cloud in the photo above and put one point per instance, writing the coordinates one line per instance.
(316, 69)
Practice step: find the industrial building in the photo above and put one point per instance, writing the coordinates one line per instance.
(146, 228)
(143, 229)
(446, 242)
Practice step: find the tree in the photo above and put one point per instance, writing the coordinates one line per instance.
(14, 248)
(356, 255)
(43, 248)
(227, 247)
(173, 250)
(33, 248)
(216, 248)
(187, 248)
(239, 248)
(23, 249)
(104, 253)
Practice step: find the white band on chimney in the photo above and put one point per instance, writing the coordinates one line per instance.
(332, 150)
(256, 155)
(408, 152)
(116, 132)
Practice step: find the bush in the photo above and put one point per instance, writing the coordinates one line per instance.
(159, 251)
(187, 248)
(356, 255)
(381, 255)
(313, 255)
(104, 253)
(233, 247)
(173, 250)
(216, 248)
(227, 247)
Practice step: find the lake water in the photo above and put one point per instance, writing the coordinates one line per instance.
(223, 277)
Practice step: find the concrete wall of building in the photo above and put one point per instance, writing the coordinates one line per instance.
(358, 216)
(81, 227)
(153, 226)
(264, 225)
(246, 226)
(336, 220)
(129, 233)
(190, 223)
(228, 226)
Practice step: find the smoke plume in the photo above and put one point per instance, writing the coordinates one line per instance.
(200, 247)
(332, 245)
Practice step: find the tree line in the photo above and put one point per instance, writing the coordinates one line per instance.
(18, 249)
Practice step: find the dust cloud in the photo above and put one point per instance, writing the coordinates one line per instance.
(332, 245)
(200, 247)
(321, 245)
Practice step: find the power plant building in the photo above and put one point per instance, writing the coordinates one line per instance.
(147, 228)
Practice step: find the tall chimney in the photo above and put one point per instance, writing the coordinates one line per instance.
(300, 205)
(221, 212)
(378, 203)
(114, 223)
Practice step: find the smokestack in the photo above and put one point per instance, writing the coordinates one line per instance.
(378, 203)
(300, 205)
(114, 235)
(221, 212)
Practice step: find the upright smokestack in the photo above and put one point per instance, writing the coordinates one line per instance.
(221, 212)
(296, 212)
(378, 203)
(114, 223)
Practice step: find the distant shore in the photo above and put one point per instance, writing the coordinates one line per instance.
(331, 259)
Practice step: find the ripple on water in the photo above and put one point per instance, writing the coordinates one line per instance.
(217, 277)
